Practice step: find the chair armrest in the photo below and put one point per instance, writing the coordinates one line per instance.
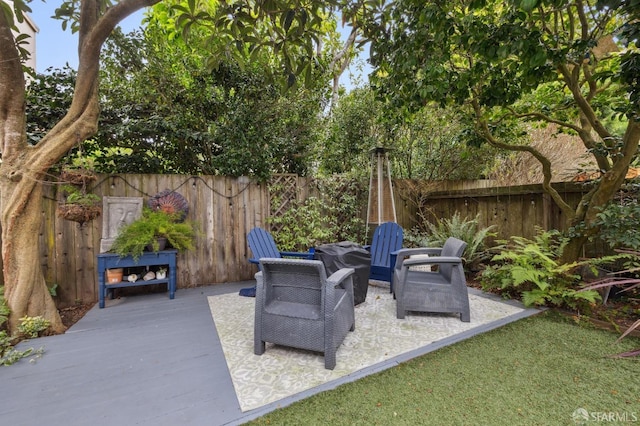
(341, 278)
(367, 247)
(254, 261)
(431, 260)
(296, 254)
(340, 275)
(405, 252)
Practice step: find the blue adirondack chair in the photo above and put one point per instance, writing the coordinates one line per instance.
(263, 245)
(387, 239)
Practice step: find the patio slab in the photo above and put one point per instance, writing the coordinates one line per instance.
(149, 360)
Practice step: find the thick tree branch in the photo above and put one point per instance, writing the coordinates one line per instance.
(544, 117)
(544, 161)
(80, 121)
(343, 58)
(12, 94)
(573, 85)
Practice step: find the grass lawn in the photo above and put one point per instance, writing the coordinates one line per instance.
(537, 371)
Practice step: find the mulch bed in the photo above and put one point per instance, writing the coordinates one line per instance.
(73, 314)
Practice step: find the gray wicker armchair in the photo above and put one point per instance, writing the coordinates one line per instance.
(442, 290)
(298, 306)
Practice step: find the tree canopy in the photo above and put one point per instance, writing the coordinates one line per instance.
(284, 32)
(550, 61)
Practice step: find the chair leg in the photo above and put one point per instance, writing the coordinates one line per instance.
(353, 327)
(330, 360)
(465, 316)
(258, 347)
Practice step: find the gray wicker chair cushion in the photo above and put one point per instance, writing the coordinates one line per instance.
(298, 306)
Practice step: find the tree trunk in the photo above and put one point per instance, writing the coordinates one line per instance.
(23, 167)
(20, 198)
(25, 288)
(593, 203)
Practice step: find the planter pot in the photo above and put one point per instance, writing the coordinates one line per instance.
(162, 243)
(161, 275)
(114, 275)
(78, 213)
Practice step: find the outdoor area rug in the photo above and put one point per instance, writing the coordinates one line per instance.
(379, 336)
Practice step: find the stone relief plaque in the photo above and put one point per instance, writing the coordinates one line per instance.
(117, 212)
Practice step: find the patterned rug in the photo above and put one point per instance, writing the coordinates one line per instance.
(379, 336)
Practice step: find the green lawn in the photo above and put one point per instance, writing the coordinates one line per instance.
(536, 371)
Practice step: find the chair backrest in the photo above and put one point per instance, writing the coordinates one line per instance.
(453, 247)
(387, 237)
(294, 280)
(262, 244)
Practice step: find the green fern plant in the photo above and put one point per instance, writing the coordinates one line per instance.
(132, 239)
(530, 269)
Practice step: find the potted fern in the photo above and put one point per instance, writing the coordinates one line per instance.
(150, 230)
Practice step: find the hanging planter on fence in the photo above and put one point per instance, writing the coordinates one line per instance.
(79, 177)
(79, 206)
(78, 212)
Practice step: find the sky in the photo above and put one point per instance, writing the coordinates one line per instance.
(55, 47)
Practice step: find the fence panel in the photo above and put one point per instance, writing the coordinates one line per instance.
(515, 210)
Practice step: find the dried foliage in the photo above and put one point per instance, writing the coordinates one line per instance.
(566, 152)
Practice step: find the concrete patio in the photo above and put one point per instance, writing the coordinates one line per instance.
(148, 360)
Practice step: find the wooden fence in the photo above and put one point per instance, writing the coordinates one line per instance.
(225, 209)
(513, 210)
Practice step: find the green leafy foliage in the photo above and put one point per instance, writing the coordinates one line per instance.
(344, 198)
(332, 217)
(629, 33)
(427, 144)
(519, 61)
(303, 226)
(31, 327)
(165, 111)
(75, 195)
(4, 308)
(530, 270)
(53, 289)
(465, 229)
(133, 238)
(49, 97)
(282, 32)
(8, 354)
(620, 225)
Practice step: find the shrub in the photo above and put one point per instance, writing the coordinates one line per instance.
(620, 225)
(465, 229)
(31, 327)
(9, 355)
(333, 217)
(302, 226)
